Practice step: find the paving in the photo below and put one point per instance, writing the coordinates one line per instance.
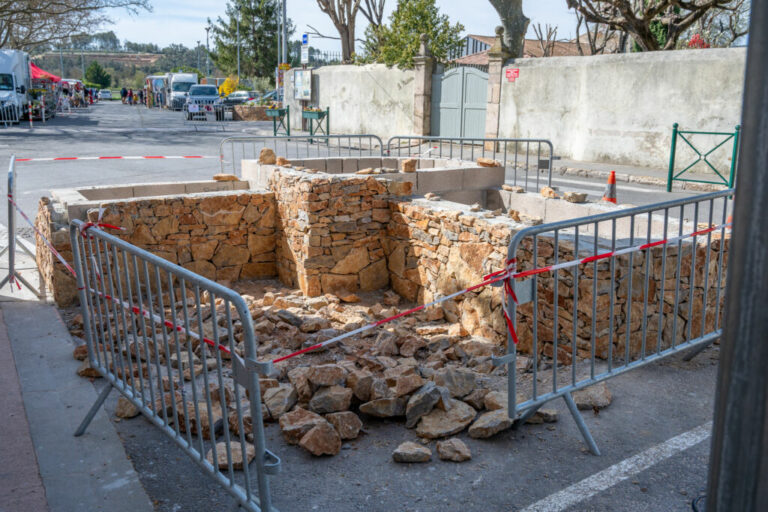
(130, 465)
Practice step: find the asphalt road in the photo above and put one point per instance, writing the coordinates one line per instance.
(114, 129)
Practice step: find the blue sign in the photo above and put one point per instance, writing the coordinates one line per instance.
(305, 39)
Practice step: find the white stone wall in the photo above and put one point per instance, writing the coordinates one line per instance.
(620, 108)
(370, 99)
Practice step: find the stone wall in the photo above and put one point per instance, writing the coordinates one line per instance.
(57, 279)
(434, 251)
(331, 230)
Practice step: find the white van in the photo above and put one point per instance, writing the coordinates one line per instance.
(14, 84)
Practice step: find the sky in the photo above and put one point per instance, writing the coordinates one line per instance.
(184, 21)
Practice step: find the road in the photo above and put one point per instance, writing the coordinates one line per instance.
(114, 129)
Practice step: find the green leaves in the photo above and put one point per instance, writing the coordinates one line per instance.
(398, 42)
(97, 75)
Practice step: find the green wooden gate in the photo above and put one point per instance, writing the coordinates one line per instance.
(459, 97)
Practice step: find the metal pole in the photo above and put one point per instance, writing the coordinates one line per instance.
(738, 473)
(198, 55)
(672, 157)
(279, 36)
(82, 63)
(61, 64)
(285, 32)
(238, 43)
(207, 52)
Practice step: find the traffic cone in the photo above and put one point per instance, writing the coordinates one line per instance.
(610, 189)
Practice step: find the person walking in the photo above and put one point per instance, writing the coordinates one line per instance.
(130, 96)
(123, 94)
(141, 96)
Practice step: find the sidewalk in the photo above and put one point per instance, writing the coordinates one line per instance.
(40, 458)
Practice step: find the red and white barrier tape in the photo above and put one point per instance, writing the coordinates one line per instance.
(136, 310)
(148, 157)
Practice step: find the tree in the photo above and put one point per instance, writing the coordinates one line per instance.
(342, 14)
(547, 37)
(722, 28)
(401, 38)
(652, 24)
(98, 75)
(600, 38)
(514, 22)
(25, 24)
(373, 10)
(258, 38)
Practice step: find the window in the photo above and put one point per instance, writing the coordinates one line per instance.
(6, 82)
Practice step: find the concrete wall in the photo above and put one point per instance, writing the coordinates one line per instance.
(620, 108)
(372, 99)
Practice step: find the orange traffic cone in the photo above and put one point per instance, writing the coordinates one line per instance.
(610, 189)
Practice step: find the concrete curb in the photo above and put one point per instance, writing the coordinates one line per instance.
(90, 472)
(653, 181)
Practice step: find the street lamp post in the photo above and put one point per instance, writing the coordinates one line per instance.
(238, 43)
(207, 52)
(198, 54)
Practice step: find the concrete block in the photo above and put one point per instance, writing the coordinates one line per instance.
(426, 163)
(239, 185)
(250, 169)
(105, 193)
(196, 187)
(530, 204)
(333, 166)
(438, 180)
(297, 162)
(493, 199)
(349, 165)
(468, 197)
(483, 177)
(390, 162)
(366, 162)
(316, 163)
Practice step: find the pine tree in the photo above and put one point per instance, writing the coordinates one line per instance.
(258, 38)
(97, 75)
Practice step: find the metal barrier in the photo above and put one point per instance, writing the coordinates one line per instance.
(519, 154)
(703, 157)
(233, 150)
(609, 293)
(160, 335)
(9, 115)
(207, 116)
(14, 242)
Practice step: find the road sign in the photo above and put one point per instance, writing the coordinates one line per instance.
(304, 54)
(305, 39)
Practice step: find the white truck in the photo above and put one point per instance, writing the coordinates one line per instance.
(14, 85)
(178, 89)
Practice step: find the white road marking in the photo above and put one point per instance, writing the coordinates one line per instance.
(611, 476)
(619, 186)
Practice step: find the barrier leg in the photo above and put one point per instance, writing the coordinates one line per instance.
(92, 412)
(696, 351)
(580, 423)
(526, 416)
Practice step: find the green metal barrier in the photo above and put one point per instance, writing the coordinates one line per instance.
(701, 156)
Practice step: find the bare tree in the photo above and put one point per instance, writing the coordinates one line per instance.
(373, 10)
(514, 22)
(723, 27)
(547, 38)
(638, 18)
(598, 36)
(25, 24)
(342, 14)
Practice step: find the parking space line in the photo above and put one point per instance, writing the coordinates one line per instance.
(621, 471)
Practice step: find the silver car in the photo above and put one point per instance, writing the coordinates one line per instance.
(204, 99)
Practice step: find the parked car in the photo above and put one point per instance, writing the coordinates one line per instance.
(105, 94)
(202, 99)
(240, 97)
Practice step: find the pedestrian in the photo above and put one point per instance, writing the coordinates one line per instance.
(141, 96)
(135, 99)
(130, 96)
(123, 94)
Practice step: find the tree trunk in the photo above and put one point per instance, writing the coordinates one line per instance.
(514, 22)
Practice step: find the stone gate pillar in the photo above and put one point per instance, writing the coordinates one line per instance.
(422, 94)
(498, 55)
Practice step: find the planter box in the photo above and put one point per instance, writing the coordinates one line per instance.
(250, 113)
(307, 114)
(275, 112)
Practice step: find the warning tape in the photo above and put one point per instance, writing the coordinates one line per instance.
(136, 310)
(148, 157)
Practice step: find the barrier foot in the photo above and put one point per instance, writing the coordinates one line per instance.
(580, 423)
(526, 416)
(15, 275)
(92, 412)
(696, 351)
